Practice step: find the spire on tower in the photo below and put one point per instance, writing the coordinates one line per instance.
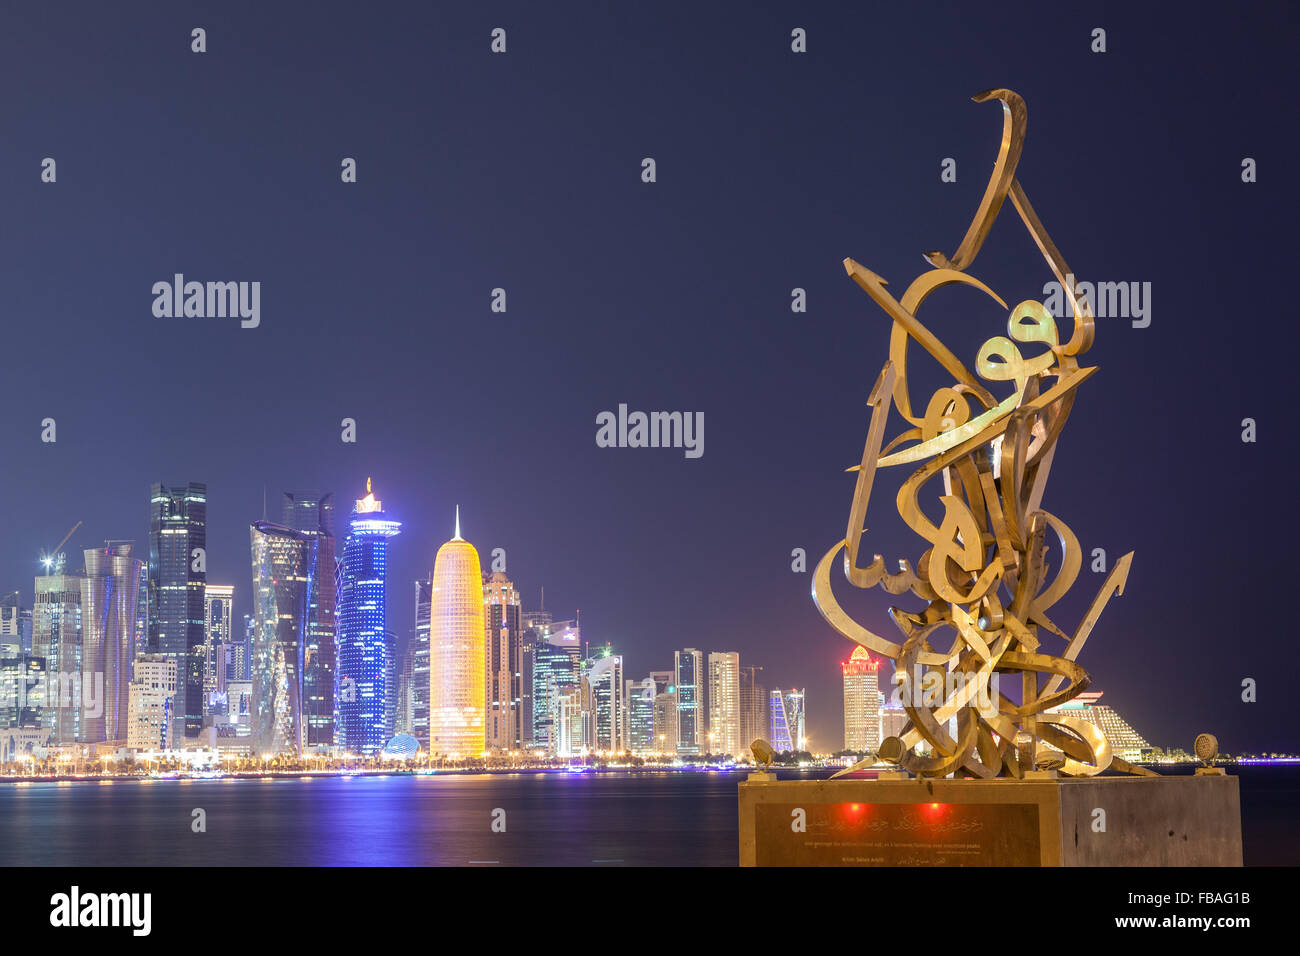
(457, 537)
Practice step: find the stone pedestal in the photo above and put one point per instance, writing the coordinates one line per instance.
(1098, 821)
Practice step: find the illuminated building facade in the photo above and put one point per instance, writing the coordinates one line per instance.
(283, 562)
(724, 703)
(1126, 742)
(109, 592)
(177, 575)
(312, 513)
(604, 674)
(15, 626)
(640, 697)
(861, 702)
(557, 667)
(56, 639)
(419, 664)
(787, 720)
(22, 690)
(688, 670)
(218, 638)
(754, 717)
(364, 647)
(456, 653)
(152, 696)
(503, 662)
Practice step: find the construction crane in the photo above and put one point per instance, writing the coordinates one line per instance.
(48, 558)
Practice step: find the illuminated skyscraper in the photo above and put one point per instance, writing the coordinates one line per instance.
(688, 669)
(218, 640)
(457, 669)
(312, 513)
(604, 674)
(177, 574)
(787, 720)
(557, 669)
(640, 697)
(56, 638)
(754, 716)
(15, 626)
(779, 728)
(283, 562)
(109, 592)
(861, 702)
(419, 664)
(503, 643)
(364, 652)
(724, 703)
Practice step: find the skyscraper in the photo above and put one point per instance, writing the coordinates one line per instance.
(109, 592)
(604, 674)
(724, 703)
(15, 625)
(56, 639)
(861, 702)
(177, 574)
(557, 669)
(457, 669)
(640, 697)
(689, 678)
(754, 716)
(283, 561)
(312, 513)
(787, 710)
(419, 664)
(503, 662)
(364, 652)
(218, 641)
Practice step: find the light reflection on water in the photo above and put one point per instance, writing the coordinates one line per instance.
(682, 819)
(607, 819)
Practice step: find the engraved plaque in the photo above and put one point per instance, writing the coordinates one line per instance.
(897, 834)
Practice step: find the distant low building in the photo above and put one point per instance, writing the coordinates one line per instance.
(1125, 742)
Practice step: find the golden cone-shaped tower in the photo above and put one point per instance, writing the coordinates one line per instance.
(456, 651)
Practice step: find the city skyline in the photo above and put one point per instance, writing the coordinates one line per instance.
(675, 294)
(311, 513)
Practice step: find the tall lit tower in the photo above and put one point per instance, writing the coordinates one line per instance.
(457, 666)
(363, 652)
(218, 620)
(56, 638)
(312, 513)
(109, 592)
(688, 670)
(861, 702)
(503, 663)
(283, 563)
(724, 703)
(178, 540)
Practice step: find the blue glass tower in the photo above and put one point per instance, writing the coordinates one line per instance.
(364, 676)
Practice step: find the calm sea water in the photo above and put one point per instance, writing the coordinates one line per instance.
(609, 819)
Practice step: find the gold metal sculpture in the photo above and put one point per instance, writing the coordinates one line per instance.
(985, 576)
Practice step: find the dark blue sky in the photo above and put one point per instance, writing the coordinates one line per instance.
(522, 171)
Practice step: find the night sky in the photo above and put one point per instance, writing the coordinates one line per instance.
(523, 171)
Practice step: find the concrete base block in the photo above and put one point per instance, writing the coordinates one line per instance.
(1097, 821)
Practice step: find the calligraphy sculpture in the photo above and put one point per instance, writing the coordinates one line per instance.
(986, 577)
